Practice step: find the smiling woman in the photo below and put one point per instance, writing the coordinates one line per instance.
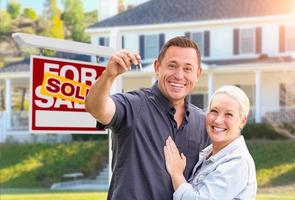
(226, 167)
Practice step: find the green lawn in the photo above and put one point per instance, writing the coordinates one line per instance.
(102, 196)
(31, 166)
(57, 196)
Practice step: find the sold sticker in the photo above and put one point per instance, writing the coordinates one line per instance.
(63, 88)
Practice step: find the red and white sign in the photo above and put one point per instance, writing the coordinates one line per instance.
(59, 88)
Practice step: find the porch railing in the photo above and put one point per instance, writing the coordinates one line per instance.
(285, 114)
(20, 120)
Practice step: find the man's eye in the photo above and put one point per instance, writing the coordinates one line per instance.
(188, 69)
(172, 66)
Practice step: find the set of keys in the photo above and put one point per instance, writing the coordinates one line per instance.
(139, 66)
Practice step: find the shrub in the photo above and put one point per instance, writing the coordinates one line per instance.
(260, 131)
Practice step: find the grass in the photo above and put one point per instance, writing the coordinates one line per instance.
(275, 162)
(57, 196)
(101, 196)
(40, 165)
(32, 166)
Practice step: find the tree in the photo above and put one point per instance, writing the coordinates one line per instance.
(5, 22)
(52, 16)
(30, 13)
(14, 9)
(73, 17)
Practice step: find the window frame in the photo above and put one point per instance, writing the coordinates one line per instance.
(242, 41)
(202, 45)
(151, 52)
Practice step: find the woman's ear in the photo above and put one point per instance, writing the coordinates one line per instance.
(243, 122)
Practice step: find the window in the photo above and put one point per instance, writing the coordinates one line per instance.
(287, 94)
(104, 41)
(199, 100)
(290, 39)
(198, 38)
(151, 44)
(247, 41)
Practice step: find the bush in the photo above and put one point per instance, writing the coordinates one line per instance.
(89, 137)
(260, 131)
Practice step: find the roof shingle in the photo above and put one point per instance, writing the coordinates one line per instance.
(169, 11)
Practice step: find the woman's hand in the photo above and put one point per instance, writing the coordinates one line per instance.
(175, 163)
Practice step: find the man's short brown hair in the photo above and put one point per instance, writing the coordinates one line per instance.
(180, 41)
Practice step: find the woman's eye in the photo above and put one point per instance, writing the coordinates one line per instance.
(229, 114)
(213, 111)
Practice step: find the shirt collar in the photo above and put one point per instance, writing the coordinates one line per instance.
(237, 143)
(166, 105)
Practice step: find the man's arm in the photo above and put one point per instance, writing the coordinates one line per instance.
(98, 102)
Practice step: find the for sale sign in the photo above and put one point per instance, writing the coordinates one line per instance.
(59, 88)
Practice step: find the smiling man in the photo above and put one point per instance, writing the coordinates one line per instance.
(142, 120)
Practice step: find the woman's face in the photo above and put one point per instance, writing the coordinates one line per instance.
(223, 120)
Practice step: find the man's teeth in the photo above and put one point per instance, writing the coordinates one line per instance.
(177, 85)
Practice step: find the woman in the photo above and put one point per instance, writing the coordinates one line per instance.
(225, 169)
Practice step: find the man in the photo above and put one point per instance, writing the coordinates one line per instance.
(142, 120)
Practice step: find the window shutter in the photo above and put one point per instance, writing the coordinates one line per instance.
(258, 40)
(123, 42)
(187, 34)
(141, 46)
(236, 39)
(282, 39)
(161, 40)
(207, 43)
(101, 41)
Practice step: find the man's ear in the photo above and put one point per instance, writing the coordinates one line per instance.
(199, 72)
(156, 66)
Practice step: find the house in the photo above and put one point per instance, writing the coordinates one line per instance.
(246, 43)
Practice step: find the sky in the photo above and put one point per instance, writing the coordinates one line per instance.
(37, 5)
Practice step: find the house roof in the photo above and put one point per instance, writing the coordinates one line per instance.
(20, 66)
(171, 11)
(24, 65)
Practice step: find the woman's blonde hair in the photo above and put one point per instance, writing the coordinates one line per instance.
(237, 94)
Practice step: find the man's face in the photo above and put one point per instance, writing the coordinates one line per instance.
(177, 73)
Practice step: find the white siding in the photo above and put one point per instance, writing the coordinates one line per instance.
(221, 43)
(270, 40)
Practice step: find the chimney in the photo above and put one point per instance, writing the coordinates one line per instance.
(121, 6)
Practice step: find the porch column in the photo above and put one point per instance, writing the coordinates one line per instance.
(257, 97)
(116, 43)
(8, 103)
(210, 85)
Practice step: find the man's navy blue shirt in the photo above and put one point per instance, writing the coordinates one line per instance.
(142, 122)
